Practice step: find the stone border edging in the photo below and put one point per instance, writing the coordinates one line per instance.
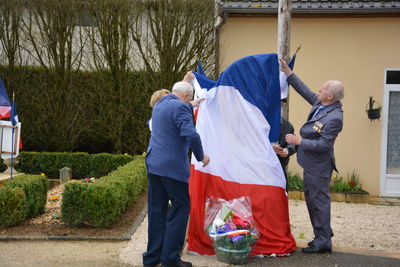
(127, 236)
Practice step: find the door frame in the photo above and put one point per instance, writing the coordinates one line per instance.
(387, 88)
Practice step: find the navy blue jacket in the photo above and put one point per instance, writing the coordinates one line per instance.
(173, 133)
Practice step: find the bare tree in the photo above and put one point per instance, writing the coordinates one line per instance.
(110, 52)
(10, 19)
(171, 35)
(49, 30)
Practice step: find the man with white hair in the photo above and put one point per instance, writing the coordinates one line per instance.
(316, 155)
(167, 162)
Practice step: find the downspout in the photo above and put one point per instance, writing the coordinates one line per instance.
(220, 21)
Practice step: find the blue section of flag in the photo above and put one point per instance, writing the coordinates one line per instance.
(291, 63)
(4, 100)
(200, 69)
(256, 77)
(13, 115)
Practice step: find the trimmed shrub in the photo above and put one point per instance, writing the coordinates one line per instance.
(101, 203)
(83, 114)
(82, 164)
(12, 206)
(35, 189)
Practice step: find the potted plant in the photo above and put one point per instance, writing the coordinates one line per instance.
(295, 186)
(355, 193)
(373, 109)
(348, 190)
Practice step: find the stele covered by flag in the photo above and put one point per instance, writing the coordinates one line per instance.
(236, 122)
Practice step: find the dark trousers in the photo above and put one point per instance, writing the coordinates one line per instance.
(317, 196)
(167, 226)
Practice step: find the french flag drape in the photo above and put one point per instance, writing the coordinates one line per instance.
(236, 122)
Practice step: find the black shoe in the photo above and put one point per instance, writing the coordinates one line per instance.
(309, 244)
(315, 250)
(179, 264)
(154, 265)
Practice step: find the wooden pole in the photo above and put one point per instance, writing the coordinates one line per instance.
(284, 24)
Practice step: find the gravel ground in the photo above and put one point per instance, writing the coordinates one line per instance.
(362, 226)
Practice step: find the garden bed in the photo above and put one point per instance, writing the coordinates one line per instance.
(49, 223)
(349, 197)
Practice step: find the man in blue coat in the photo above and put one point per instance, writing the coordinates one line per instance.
(173, 133)
(316, 155)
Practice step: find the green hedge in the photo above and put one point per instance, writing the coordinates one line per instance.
(12, 206)
(101, 203)
(22, 197)
(82, 164)
(85, 113)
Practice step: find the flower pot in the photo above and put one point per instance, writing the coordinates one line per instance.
(338, 197)
(232, 256)
(357, 197)
(374, 114)
(294, 194)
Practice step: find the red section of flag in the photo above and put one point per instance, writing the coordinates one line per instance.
(5, 112)
(269, 207)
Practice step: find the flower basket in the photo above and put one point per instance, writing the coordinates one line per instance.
(374, 114)
(373, 109)
(231, 228)
(232, 256)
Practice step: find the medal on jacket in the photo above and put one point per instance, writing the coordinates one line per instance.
(318, 126)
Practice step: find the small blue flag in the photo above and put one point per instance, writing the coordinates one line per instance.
(13, 116)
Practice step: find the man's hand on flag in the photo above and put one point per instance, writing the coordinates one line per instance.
(285, 67)
(206, 160)
(196, 103)
(188, 77)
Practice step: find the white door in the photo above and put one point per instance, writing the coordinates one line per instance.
(390, 150)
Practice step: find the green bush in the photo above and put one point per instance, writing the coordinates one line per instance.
(295, 182)
(81, 115)
(101, 203)
(35, 190)
(82, 164)
(12, 206)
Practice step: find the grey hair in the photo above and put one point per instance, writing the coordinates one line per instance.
(182, 87)
(336, 89)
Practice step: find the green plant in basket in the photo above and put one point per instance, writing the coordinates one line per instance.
(350, 184)
(295, 182)
(338, 184)
(353, 181)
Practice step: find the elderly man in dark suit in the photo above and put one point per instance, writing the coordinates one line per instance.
(167, 163)
(315, 154)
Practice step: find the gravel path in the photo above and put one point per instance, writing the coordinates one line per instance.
(363, 226)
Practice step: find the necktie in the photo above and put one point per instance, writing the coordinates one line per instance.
(317, 111)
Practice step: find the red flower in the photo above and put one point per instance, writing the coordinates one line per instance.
(239, 221)
(352, 183)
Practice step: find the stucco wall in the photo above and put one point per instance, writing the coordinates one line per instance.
(355, 51)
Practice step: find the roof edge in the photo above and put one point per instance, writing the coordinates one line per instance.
(230, 10)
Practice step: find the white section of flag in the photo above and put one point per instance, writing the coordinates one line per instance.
(234, 134)
(284, 85)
